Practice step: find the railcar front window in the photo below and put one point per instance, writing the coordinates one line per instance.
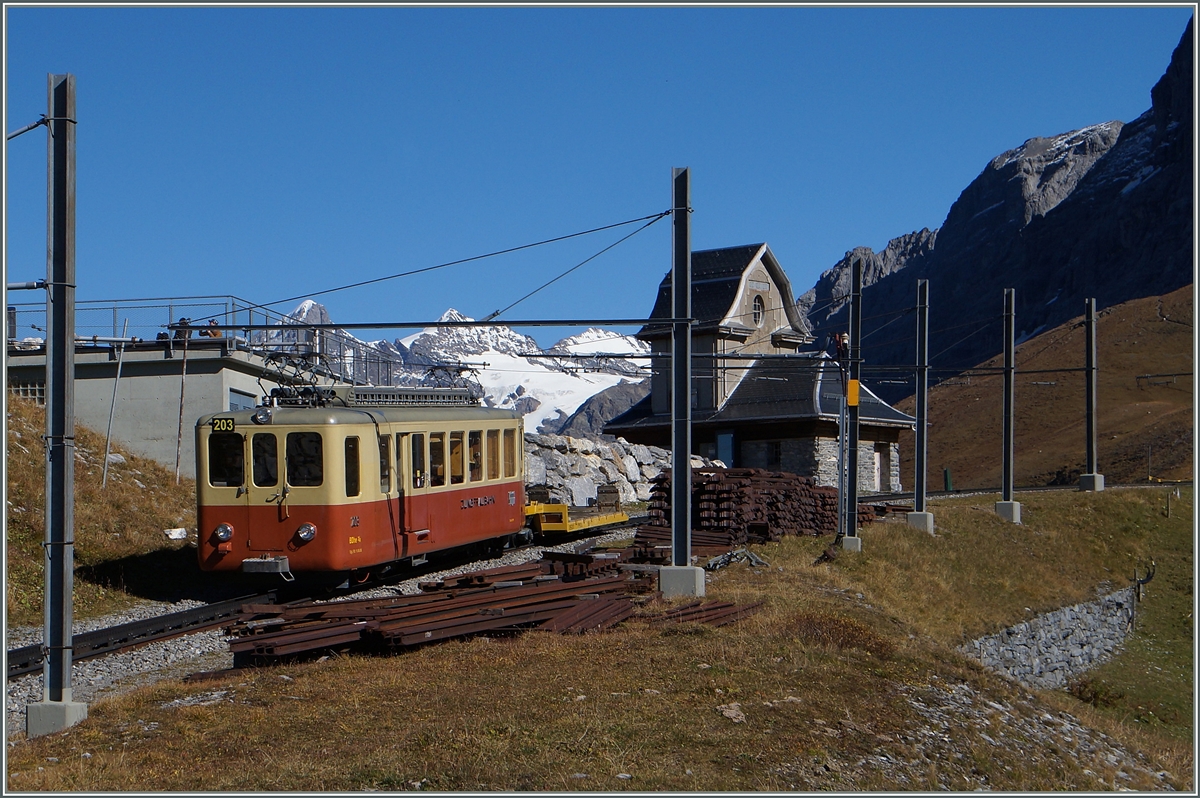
(493, 454)
(226, 466)
(475, 454)
(265, 451)
(456, 458)
(352, 467)
(305, 459)
(510, 453)
(437, 459)
(385, 464)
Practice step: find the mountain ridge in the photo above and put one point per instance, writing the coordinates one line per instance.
(1104, 211)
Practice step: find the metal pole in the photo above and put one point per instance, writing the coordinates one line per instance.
(852, 388)
(1010, 380)
(1092, 480)
(681, 371)
(182, 389)
(113, 407)
(57, 710)
(922, 438)
(841, 530)
(1006, 508)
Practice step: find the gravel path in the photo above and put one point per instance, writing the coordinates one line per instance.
(205, 651)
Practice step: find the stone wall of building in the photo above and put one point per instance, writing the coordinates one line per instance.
(1052, 649)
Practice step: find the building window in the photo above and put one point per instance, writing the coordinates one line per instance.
(759, 309)
(240, 400)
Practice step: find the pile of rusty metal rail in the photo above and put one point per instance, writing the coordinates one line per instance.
(566, 593)
(713, 613)
(735, 506)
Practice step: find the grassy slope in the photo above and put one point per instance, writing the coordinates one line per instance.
(825, 674)
(1145, 336)
(118, 529)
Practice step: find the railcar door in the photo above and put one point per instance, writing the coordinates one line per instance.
(390, 487)
(266, 495)
(412, 462)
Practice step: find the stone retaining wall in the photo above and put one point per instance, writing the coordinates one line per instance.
(1050, 650)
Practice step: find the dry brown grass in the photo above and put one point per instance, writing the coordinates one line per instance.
(823, 676)
(979, 573)
(1144, 336)
(118, 529)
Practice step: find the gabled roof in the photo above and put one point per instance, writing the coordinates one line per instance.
(717, 276)
(777, 389)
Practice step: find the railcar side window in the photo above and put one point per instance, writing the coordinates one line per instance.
(456, 458)
(418, 459)
(385, 464)
(475, 454)
(352, 466)
(437, 459)
(510, 453)
(493, 454)
(265, 453)
(226, 466)
(305, 459)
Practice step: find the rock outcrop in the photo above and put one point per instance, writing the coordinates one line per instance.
(572, 468)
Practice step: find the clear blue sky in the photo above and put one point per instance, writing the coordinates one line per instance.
(271, 152)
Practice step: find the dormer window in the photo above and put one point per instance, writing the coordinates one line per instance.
(758, 311)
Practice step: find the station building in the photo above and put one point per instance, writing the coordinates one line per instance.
(762, 395)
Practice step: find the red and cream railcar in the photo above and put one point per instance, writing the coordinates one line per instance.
(350, 479)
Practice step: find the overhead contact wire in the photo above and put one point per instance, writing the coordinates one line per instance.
(578, 265)
(652, 217)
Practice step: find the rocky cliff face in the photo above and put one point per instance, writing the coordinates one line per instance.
(589, 420)
(828, 296)
(1104, 212)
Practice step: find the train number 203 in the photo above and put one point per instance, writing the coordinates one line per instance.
(222, 425)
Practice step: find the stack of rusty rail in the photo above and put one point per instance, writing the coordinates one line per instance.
(735, 506)
(562, 593)
(714, 613)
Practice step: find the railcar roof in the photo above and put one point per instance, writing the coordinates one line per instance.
(319, 416)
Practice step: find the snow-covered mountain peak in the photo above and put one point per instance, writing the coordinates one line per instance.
(594, 339)
(453, 315)
(310, 312)
(545, 389)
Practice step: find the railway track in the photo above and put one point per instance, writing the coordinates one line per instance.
(88, 645)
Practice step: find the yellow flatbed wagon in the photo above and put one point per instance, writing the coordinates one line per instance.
(544, 516)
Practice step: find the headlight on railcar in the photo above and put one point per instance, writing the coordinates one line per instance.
(223, 532)
(261, 416)
(306, 532)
